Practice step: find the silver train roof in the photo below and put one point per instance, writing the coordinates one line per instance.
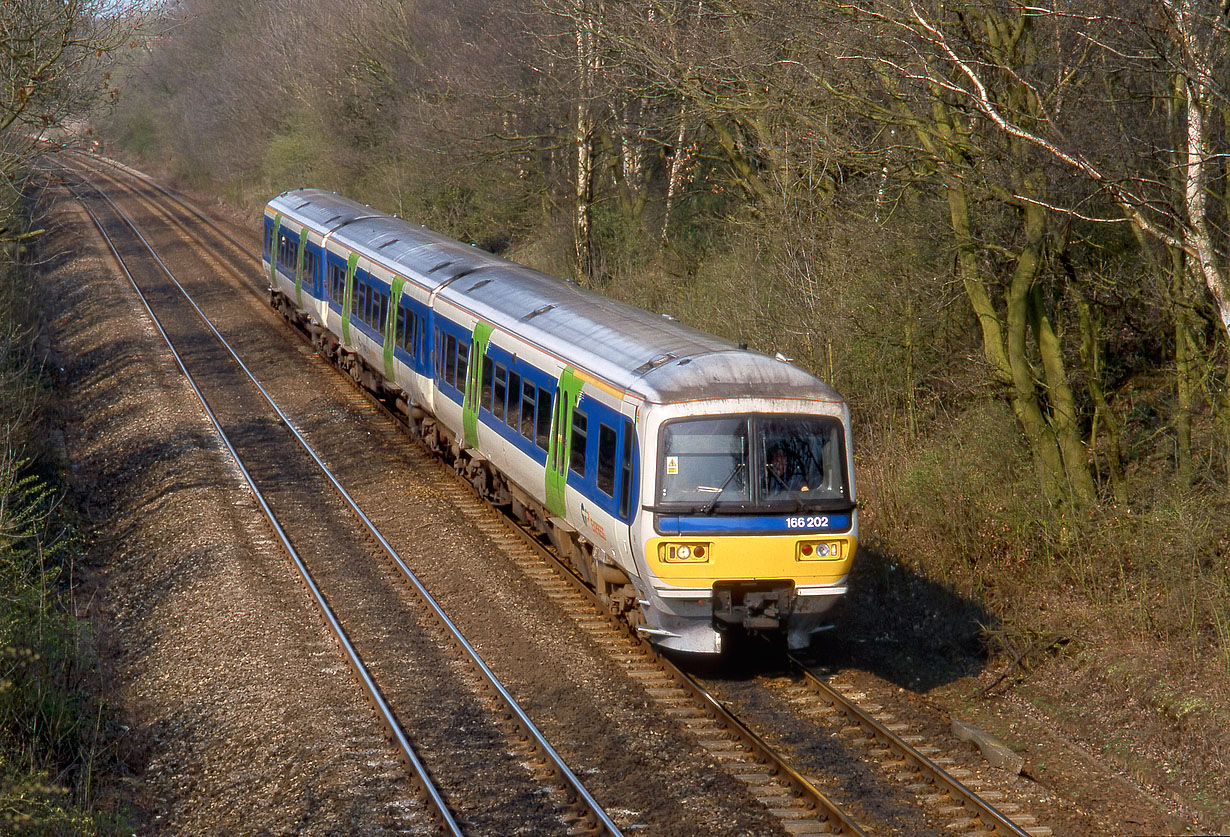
(653, 356)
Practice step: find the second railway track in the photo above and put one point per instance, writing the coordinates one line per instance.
(498, 775)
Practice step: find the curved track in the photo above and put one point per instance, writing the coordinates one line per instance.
(938, 801)
(264, 465)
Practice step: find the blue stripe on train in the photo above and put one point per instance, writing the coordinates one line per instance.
(784, 524)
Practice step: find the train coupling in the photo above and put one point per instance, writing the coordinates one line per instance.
(753, 607)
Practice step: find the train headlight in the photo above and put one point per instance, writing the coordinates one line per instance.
(819, 550)
(692, 553)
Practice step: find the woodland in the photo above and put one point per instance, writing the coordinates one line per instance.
(1001, 229)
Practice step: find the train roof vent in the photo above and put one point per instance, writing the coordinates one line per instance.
(479, 284)
(387, 243)
(540, 310)
(334, 218)
(442, 264)
(654, 363)
(300, 206)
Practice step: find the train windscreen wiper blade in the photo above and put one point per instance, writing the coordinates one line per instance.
(708, 507)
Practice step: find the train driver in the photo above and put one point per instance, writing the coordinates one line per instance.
(783, 474)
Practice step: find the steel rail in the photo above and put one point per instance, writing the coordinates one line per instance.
(170, 193)
(356, 662)
(983, 810)
(842, 821)
(561, 768)
(989, 816)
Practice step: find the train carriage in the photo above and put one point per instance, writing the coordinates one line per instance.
(699, 488)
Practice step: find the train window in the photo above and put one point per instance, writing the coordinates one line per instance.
(335, 282)
(488, 374)
(542, 436)
(576, 454)
(606, 459)
(500, 391)
(800, 459)
(383, 314)
(527, 409)
(463, 363)
(514, 399)
(407, 328)
(450, 358)
(625, 485)
(705, 462)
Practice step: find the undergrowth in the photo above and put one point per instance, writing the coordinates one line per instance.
(49, 724)
(962, 507)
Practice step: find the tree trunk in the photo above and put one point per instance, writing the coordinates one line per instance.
(1025, 402)
(583, 140)
(1091, 356)
(675, 177)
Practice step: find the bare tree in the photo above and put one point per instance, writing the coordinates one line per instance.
(54, 55)
(1185, 37)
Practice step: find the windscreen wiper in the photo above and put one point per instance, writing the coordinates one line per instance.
(708, 507)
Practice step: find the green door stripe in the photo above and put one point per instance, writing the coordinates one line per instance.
(474, 382)
(348, 296)
(566, 397)
(299, 267)
(390, 325)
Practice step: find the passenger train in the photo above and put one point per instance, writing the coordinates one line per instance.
(702, 490)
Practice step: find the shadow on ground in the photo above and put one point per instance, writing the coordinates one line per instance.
(894, 623)
(903, 627)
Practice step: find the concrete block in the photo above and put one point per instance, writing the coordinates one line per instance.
(997, 753)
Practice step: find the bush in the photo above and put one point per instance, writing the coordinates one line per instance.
(48, 721)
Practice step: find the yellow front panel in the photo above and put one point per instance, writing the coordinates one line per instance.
(750, 558)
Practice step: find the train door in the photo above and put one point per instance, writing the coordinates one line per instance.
(390, 325)
(273, 250)
(474, 382)
(348, 297)
(566, 396)
(303, 237)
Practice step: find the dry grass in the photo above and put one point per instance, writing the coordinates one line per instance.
(1121, 612)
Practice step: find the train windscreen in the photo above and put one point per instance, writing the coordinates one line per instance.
(752, 463)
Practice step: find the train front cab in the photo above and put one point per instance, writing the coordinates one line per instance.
(750, 523)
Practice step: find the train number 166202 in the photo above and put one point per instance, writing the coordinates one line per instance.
(813, 522)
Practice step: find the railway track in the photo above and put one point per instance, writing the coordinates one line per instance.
(524, 779)
(927, 797)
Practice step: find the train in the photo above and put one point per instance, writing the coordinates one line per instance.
(704, 491)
